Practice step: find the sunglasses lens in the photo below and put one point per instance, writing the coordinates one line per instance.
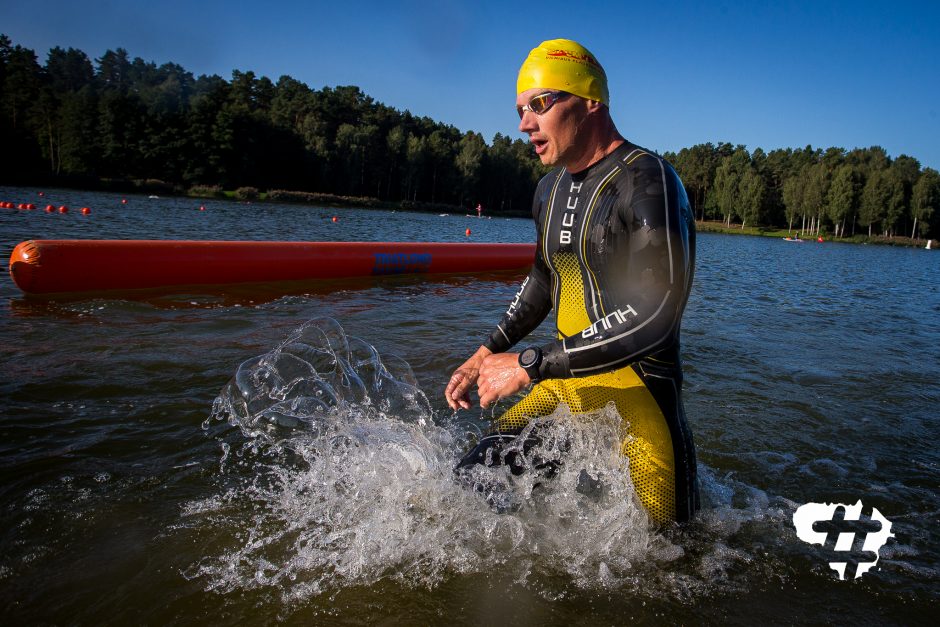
(541, 102)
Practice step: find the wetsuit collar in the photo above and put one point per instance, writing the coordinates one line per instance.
(620, 149)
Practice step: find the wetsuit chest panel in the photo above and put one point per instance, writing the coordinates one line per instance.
(577, 225)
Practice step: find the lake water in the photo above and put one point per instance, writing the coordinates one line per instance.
(811, 376)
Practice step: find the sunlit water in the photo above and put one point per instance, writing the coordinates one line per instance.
(258, 456)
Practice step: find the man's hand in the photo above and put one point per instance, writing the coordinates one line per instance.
(457, 391)
(500, 376)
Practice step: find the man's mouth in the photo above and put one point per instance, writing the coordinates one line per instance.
(540, 145)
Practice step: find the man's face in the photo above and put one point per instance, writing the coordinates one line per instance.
(554, 132)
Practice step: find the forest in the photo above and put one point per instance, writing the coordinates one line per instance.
(116, 120)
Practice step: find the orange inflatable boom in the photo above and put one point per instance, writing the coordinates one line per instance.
(61, 266)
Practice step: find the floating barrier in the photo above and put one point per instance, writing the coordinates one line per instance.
(62, 266)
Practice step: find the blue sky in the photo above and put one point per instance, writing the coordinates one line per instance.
(769, 75)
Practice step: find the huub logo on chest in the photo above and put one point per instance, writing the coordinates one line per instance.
(570, 215)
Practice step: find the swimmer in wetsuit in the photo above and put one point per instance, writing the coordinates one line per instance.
(615, 258)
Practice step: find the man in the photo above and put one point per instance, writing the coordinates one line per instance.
(615, 256)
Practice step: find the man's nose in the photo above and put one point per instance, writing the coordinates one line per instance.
(528, 122)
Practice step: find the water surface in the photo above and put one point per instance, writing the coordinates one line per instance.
(811, 376)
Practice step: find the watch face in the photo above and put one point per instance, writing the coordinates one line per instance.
(528, 357)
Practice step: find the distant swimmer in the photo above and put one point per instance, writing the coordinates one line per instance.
(479, 210)
(614, 258)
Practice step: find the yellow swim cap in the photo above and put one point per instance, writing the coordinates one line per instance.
(564, 65)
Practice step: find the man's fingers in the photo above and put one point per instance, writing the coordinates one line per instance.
(457, 392)
(459, 384)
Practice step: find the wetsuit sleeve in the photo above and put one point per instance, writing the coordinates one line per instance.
(533, 301)
(643, 278)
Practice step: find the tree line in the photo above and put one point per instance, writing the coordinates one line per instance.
(127, 119)
(71, 119)
(810, 189)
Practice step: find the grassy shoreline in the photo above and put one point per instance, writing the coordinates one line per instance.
(717, 226)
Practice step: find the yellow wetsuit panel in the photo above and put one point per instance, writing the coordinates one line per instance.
(572, 313)
(646, 441)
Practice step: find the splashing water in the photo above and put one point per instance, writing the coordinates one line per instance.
(346, 478)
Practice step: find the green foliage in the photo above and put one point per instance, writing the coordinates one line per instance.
(206, 191)
(246, 193)
(751, 196)
(844, 193)
(879, 191)
(925, 200)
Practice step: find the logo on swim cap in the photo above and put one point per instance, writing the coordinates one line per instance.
(577, 57)
(564, 65)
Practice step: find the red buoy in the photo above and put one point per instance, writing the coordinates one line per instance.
(41, 194)
(202, 207)
(468, 232)
(49, 208)
(63, 209)
(124, 201)
(30, 206)
(335, 219)
(85, 211)
(58, 266)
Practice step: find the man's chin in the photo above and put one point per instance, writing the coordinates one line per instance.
(547, 159)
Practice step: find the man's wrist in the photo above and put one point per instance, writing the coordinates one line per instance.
(530, 360)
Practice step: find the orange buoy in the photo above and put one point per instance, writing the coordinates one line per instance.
(63, 209)
(468, 232)
(85, 211)
(62, 266)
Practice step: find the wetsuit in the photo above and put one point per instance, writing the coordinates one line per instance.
(615, 258)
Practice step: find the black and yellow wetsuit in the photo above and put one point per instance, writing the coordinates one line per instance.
(615, 258)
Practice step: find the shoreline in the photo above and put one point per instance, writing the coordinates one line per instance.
(252, 195)
(316, 199)
(718, 226)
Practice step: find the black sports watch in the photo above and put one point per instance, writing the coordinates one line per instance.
(530, 360)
